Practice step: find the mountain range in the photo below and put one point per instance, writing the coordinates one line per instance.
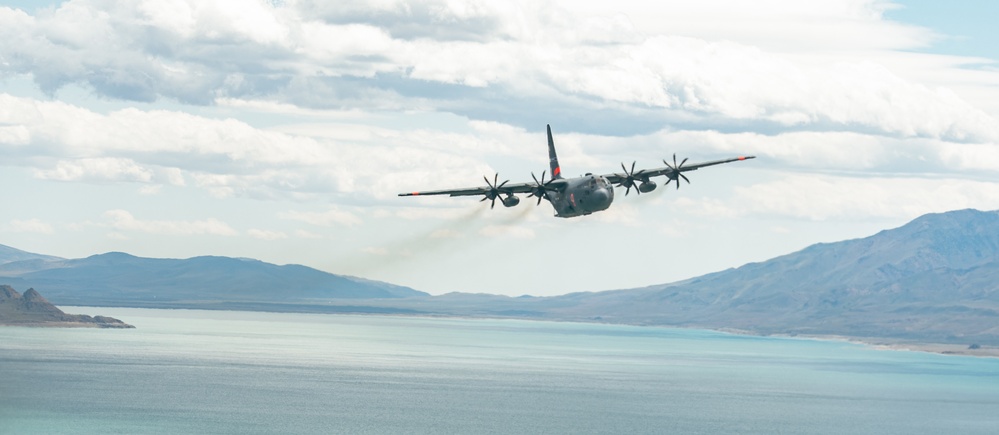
(120, 279)
(935, 279)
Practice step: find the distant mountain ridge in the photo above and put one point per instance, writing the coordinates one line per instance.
(9, 255)
(117, 278)
(936, 277)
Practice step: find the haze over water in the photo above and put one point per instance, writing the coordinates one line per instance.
(187, 371)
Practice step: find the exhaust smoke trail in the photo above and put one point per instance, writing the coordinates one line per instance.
(450, 234)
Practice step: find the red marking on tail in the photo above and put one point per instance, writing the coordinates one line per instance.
(558, 170)
(742, 158)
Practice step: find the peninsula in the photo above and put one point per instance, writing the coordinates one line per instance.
(31, 309)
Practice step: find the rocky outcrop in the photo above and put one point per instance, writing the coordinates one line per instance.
(32, 309)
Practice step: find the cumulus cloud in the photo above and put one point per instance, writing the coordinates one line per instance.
(266, 235)
(326, 218)
(31, 226)
(350, 159)
(602, 64)
(626, 85)
(818, 197)
(223, 156)
(97, 169)
(123, 221)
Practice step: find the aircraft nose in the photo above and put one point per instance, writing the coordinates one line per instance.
(602, 196)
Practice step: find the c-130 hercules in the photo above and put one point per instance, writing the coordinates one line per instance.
(578, 196)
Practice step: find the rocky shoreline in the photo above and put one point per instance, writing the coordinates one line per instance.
(31, 309)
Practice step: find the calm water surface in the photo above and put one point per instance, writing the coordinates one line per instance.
(184, 371)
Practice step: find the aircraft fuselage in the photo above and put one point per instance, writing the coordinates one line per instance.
(578, 196)
(582, 196)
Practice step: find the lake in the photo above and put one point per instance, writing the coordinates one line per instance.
(189, 371)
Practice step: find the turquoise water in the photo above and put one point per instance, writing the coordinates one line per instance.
(184, 371)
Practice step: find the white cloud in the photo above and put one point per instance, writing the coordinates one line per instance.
(229, 158)
(821, 197)
(114, 235)
(97, 169)
(266, 235)
(832, 99)
(14, 135)
(327, 218)
(632, 58)
(226, 157)
(123, 221)
(788, 26)
(31, 226)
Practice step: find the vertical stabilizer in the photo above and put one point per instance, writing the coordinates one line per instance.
(552, 158)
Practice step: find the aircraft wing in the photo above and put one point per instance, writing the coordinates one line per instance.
(671, 171)
(502, 188)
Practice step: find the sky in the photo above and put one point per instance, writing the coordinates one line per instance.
(284, 130)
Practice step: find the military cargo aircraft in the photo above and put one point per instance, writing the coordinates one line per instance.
(577, 196)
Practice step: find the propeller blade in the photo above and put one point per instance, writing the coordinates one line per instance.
(494, 189)
(677, 174)
(541, 188)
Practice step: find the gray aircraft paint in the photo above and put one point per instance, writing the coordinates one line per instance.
(578, 196)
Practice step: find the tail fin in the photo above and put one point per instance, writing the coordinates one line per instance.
(552, 158)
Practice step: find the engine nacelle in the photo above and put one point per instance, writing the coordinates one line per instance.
(510, 201)
(647, 186)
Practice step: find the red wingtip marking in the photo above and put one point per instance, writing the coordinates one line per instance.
(742, 158)
(416, 193)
